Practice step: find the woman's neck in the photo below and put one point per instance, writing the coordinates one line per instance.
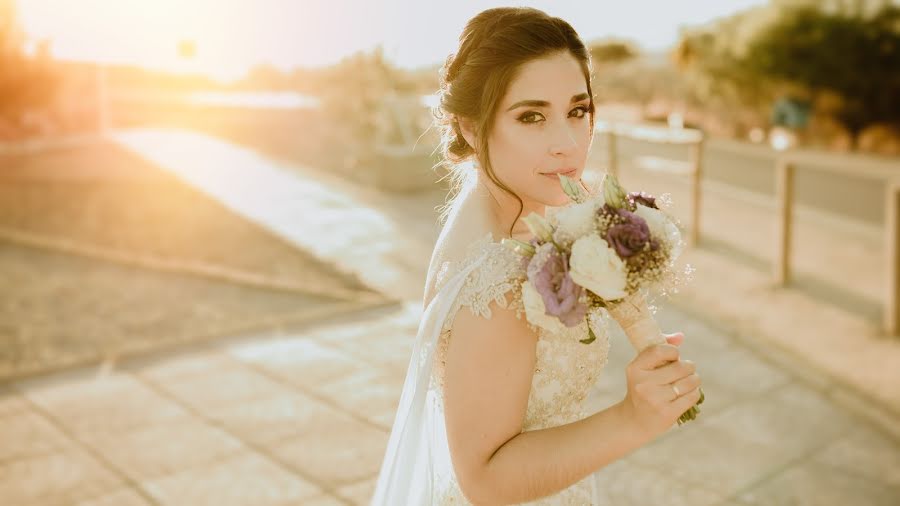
(503, 209)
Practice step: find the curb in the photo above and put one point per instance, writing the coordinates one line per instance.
(199, 269)
(109, 361)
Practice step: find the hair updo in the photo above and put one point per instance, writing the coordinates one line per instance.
(474, 79)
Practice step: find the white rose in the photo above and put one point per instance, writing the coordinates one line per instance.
(576, 220)
(536, 311)
(596, 266)
(661, 227)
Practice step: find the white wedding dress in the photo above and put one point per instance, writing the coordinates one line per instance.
(417, 469)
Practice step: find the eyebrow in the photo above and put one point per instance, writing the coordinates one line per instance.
(543, 103)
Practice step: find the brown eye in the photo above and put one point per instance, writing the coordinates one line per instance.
(583, 109)
(529, 114)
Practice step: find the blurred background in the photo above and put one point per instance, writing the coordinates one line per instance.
(216, 219)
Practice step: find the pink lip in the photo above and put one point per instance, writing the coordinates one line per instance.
(569, 173)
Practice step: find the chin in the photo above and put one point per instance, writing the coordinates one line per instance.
(557, 199)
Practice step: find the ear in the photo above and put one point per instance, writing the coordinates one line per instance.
(467, 127)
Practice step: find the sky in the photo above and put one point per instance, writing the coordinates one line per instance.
(231, 36)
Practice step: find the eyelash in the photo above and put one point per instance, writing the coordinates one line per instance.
(529, 113)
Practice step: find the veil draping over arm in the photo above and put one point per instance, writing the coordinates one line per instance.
(418, 437)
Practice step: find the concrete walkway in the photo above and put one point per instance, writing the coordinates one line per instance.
(319, 214)
(301, 417)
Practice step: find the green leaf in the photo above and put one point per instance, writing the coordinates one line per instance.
(591, 336)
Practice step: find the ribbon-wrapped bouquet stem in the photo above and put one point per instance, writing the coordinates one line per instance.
(607, 249)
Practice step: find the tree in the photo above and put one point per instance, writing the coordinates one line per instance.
(717, 79)
(26, 82)
(613, 51)
(850, 54)
(806, 48)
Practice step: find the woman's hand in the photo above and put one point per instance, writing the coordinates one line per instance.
(651, 403)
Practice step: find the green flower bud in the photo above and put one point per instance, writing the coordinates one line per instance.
(613, 193)
(539, 226)
(518, 246)
(572, 189)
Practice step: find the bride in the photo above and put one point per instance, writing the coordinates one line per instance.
(492, 410)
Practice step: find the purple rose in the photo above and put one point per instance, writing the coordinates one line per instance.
(644, 199)
(630, 237)
(559, 292)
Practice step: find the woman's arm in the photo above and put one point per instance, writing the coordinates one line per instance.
(489, 369)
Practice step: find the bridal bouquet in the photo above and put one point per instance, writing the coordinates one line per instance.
(607, 249)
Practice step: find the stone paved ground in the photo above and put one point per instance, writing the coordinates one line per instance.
(302, 416)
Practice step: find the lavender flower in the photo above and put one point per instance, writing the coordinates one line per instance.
(560, 293)
(630, 237)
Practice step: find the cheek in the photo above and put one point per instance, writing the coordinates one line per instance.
(516, 158)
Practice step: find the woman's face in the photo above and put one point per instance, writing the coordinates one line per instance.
(542, 127)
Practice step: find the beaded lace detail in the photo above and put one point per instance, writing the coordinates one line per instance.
(565, 369)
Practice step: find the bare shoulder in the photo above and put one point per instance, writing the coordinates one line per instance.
(490, 363)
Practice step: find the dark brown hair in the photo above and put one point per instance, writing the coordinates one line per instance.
(492, 47)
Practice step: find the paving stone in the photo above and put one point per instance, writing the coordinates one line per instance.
(729, 375)
(733, 502)
(302, 362)
(243, 480)
(59, 478)
(124, 497)
(11, 402)
(697, 333)
(151, 452)
(738, 369)
(222, 387)
(270, 420)
(346, 452)
(103, 404)
(26, 433)
(180, 364)
(360, 493)
(387, 345)
(814, 484)
(865, 453)
(734, 449)
(371, 393)
(623, 483)
(324, 500)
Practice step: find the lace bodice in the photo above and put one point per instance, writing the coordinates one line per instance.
(565, 369)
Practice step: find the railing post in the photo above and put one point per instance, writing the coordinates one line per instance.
(613, 155)
(784, 172)
(697, 175)
(892, 259)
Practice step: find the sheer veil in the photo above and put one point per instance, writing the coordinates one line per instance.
(417, 452)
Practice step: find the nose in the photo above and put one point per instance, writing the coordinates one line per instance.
(563, 140)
